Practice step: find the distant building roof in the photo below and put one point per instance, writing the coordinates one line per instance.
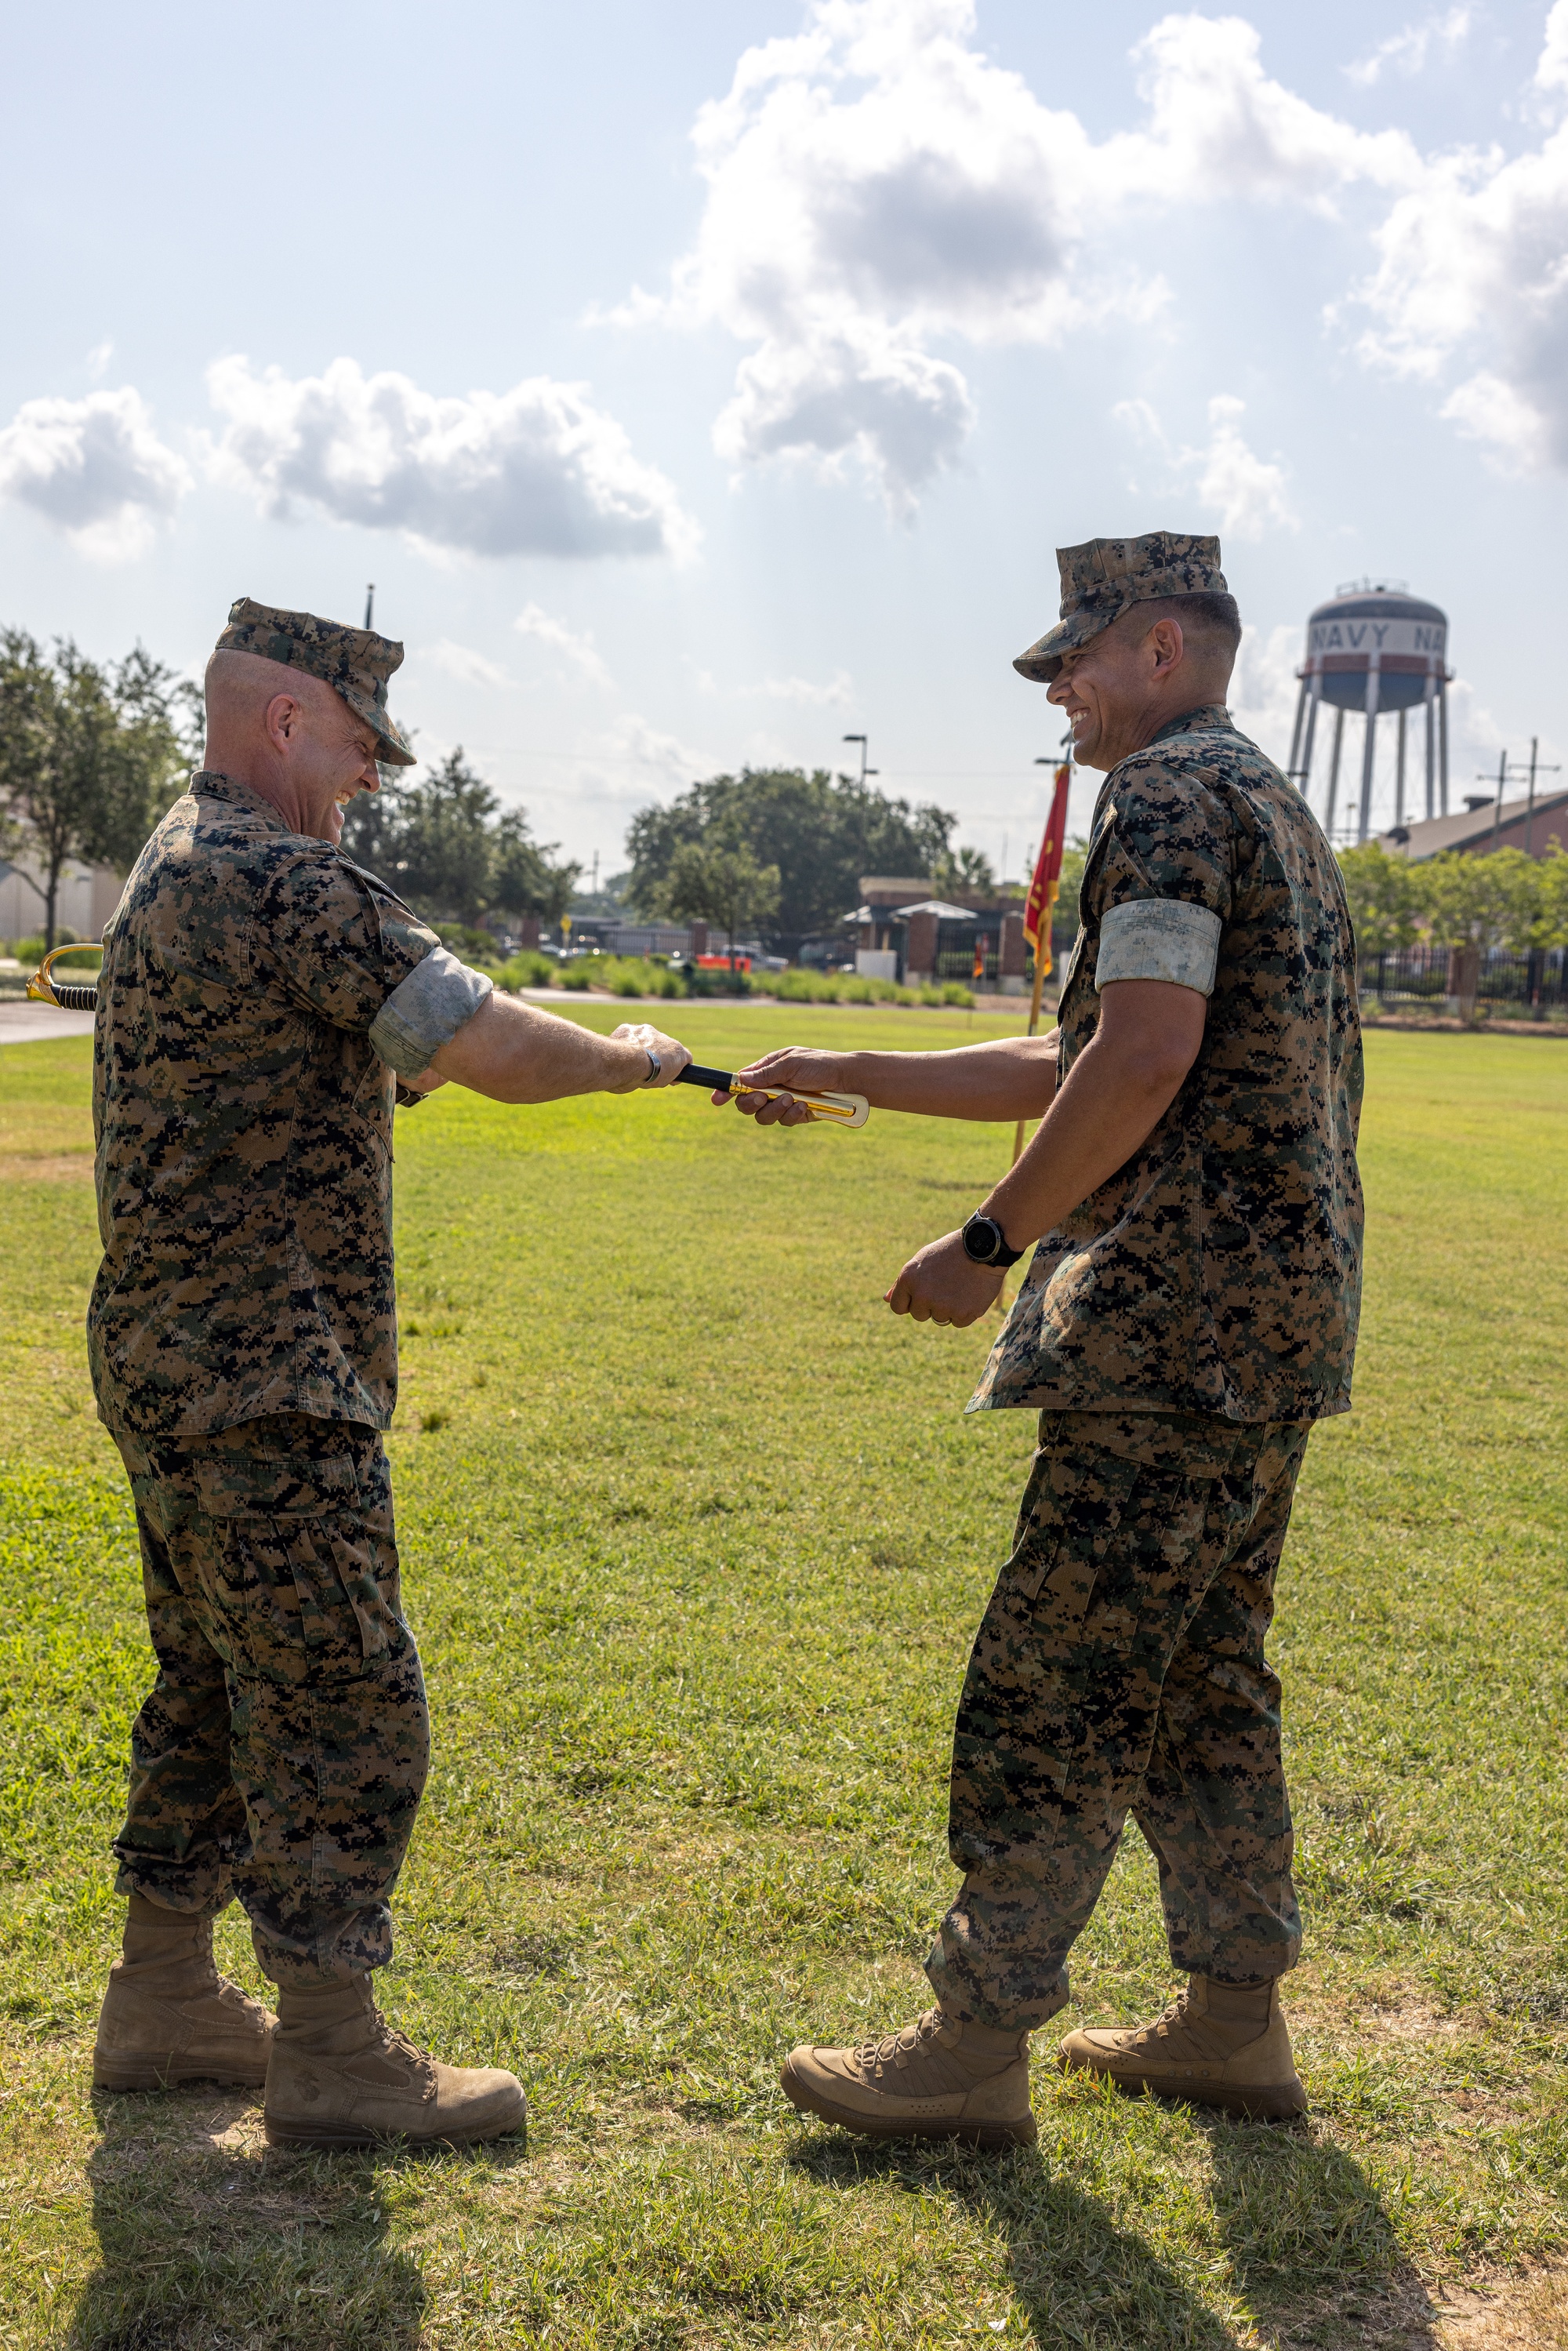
(887, 889)
(940, 908)
(1474, 828)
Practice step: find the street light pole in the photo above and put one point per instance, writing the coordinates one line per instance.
(865, 753)
(369, 603)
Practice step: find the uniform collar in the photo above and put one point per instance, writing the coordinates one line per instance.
(1203, 720)
(209, 785)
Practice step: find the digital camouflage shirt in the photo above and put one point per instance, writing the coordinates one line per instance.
(1220, 1270)
(258, 992)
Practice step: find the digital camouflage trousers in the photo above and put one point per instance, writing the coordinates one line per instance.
(1119, 1667)
(283, 1748)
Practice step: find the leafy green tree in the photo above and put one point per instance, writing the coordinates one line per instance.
(1464, 900)
(447, 846)
(1554, 894)
(821, 832)
(958, 874)
(1074, 857)
(706, 883)
(90, 756)
(1386, 895)
(523, 879)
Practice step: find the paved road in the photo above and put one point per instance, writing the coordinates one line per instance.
(21, 1021)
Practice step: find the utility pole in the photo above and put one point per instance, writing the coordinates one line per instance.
(865, 753)
(370, 601)
(1535, 765)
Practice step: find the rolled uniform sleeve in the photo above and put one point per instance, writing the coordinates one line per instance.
(425, 1011)
(345, 950)
(1161, 887)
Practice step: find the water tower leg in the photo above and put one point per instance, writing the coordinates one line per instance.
(1399, 777)
(1431, 754)
(1333, 772)
(1296, 733)
(1443, 743)
(1305, 779)
(1364, 818)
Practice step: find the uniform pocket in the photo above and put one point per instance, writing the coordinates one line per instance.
(273, 1486)
(317, 1584)
(1071, 1510)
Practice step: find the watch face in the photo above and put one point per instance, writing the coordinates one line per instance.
(980, 1238)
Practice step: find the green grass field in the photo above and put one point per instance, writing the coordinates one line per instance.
(695, 1539)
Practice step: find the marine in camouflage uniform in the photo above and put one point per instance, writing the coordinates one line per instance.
(243, 1337)
(1178, 1335)
(262, 1002)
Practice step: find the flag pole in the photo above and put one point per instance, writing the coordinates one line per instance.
(1042, 904)
(1042, 966)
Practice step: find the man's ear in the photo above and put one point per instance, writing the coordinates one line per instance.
(280, 717)
(1168, 646)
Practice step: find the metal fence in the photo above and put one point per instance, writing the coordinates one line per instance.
(1422, 975)
(957, 946)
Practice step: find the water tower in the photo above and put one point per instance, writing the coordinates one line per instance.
(1374, 648)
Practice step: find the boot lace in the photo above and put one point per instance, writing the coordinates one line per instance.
(390, 2043)
(898, 2048)
(1147, 2034)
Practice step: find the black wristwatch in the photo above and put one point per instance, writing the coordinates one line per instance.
(986, 1242)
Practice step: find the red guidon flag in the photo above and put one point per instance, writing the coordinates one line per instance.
(1047, 873)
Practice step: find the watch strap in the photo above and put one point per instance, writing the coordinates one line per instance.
(997, 1254)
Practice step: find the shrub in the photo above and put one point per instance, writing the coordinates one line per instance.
(578, 976)
(849, 988)
(31, 951)
(637, 976)
(528, 970)
(466, 939)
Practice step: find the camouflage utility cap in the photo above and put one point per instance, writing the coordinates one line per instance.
(355, 661)
(1106, 577)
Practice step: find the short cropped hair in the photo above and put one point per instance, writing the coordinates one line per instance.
(1214, 621)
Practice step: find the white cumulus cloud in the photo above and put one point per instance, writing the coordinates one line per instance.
(1405, 52)
(878, 188)
(469, 667)
(1247, 493)
(835, 693)
(873, 183)
(96, 468)
(581, 651)
(538, 470)
(1551, 66)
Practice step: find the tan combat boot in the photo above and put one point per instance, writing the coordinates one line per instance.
(169, 2017)
(1217, 2044)
(341, 2076)
(936, 2079)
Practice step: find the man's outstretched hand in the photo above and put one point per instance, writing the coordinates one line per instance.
(671, 1057)
(942, 1283)
(813, 1074)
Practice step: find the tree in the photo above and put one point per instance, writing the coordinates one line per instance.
(1464, 899)
(446, 846)
(523, 881)
(1074, 858)
(963, 873)
(725, 886)
(1386, 895)
(1554, 894)
(89, 756)
(820, 832)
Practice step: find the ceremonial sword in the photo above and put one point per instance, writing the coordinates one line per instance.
(833, 1109)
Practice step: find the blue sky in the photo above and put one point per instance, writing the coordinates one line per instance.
(699, 384)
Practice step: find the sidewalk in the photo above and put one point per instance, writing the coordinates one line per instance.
(994, 1007)
(21, 1021)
